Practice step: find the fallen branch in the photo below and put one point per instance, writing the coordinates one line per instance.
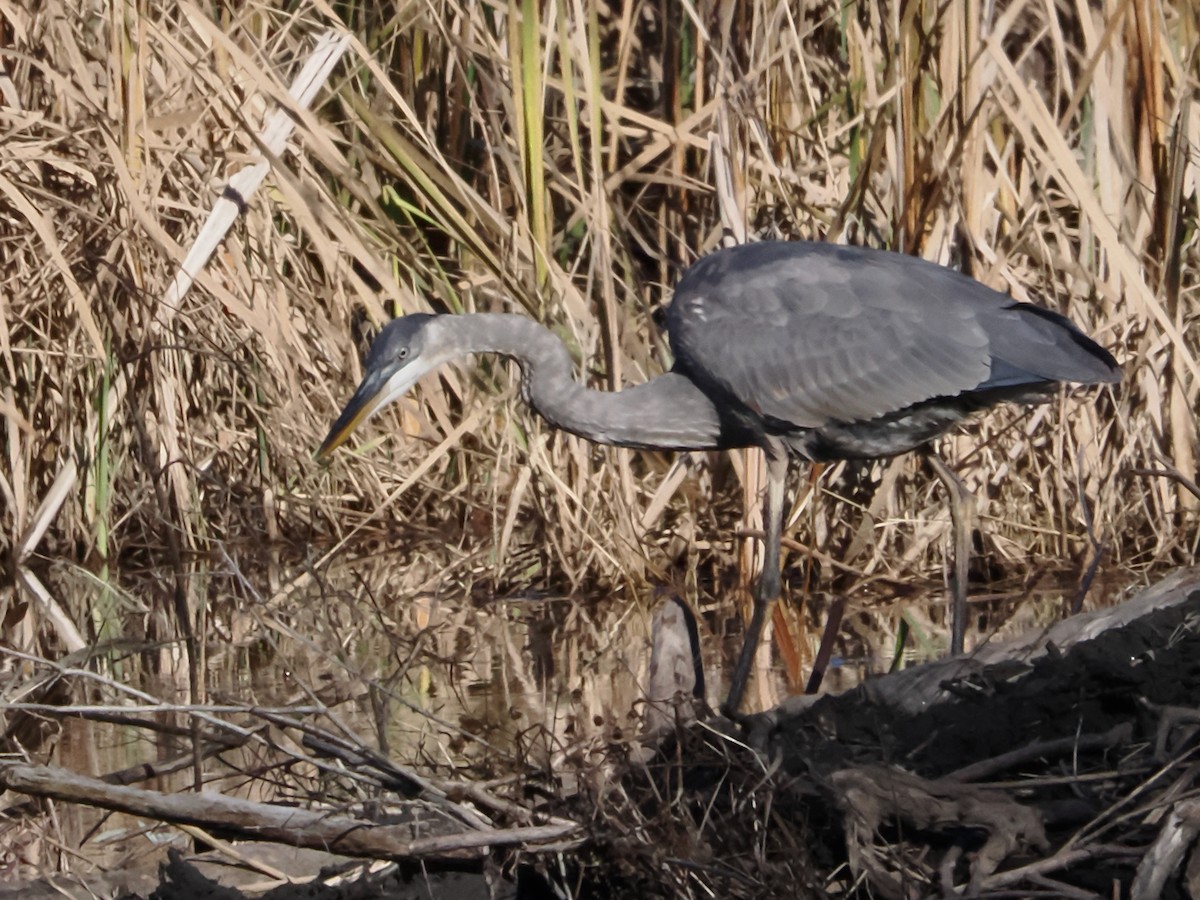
(296, 827)
(915, 690)
(985, 768)
(1175, 840)
(872, 795)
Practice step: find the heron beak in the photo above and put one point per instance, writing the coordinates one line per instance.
(378, 389)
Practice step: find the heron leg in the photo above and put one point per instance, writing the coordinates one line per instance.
(960, 520)
(768, 585)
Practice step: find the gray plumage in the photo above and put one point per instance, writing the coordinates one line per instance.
(852, 353)
(805, 349)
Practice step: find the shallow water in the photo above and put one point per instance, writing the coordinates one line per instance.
(493, 678)
(391, 657)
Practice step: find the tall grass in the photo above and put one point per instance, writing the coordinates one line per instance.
(563, 159)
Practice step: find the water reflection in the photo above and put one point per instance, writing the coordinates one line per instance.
(448, 680)
(431, 672)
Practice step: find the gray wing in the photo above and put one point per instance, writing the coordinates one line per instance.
(812, 333)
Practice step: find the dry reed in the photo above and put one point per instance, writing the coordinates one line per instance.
(562, 159)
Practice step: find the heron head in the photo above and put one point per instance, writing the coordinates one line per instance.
(396, 362)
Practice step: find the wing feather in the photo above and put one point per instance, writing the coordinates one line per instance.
(809, 334)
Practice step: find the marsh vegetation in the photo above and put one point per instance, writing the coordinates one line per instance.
(470, 594)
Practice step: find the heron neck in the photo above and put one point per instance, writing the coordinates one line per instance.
(667, 412)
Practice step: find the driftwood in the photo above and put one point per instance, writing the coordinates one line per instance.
(1006, 688)
(871, 796)
(1174, 841)
(915, 690)
(1096, 709)
(250, 820)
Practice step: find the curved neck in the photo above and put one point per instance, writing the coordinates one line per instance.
(668, 412)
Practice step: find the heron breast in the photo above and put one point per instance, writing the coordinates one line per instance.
(887, 435)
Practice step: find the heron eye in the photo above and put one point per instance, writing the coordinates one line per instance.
(403, 353)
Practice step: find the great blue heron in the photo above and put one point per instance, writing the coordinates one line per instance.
(806, 350)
